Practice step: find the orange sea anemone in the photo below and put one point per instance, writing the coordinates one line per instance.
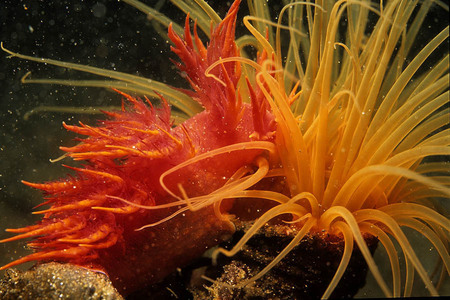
(339, 128)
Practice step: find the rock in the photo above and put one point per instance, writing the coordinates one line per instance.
(304, 273)
(57, 281)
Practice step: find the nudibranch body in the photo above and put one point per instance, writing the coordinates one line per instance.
(93, 217)
(328, 133)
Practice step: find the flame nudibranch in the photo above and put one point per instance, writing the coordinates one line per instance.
(330, 135)
(89, 224)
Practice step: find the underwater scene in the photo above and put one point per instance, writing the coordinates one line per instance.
(192, 149)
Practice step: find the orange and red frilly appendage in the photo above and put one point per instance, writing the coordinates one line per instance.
(94, 216)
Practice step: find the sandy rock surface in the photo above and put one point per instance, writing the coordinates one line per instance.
(56, 281)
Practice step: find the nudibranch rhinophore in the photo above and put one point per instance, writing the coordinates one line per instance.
(335, 131)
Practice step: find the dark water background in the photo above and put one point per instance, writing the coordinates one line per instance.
(105, 34)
